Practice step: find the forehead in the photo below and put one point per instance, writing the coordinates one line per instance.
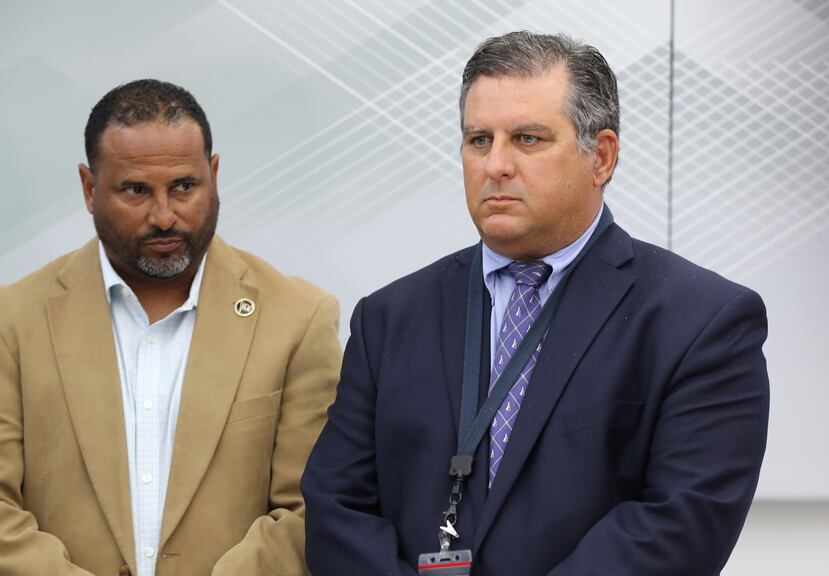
(517, 96)
(152, 143)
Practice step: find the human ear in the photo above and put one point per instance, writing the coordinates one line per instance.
(214, 166)
(88, 185)
(605, 156)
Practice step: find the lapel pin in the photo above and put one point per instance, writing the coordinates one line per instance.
(244, 307)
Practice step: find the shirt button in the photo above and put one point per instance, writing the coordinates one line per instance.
(147, 478)
(149, 552)
(151, 338)
(148, 404)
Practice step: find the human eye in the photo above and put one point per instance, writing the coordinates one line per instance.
(134, 189)
(528, 139)
(479, 140)
(184, 186)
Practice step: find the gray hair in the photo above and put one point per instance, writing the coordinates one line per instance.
(593, 103)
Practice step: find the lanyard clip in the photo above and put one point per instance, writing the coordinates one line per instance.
(460, 466)
(450, 516)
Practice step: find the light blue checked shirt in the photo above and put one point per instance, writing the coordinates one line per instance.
(151, 359)
(500, 284)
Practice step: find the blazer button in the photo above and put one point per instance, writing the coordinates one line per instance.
(124, 571)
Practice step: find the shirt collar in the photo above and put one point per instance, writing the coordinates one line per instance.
(112, 280)
(493, 262)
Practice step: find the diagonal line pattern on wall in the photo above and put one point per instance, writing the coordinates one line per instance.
(331, 193)
(760, 136)
(331, 77)
(344, 174)
(305, 200)
(637, 193)
(819, 8)
(320, 175)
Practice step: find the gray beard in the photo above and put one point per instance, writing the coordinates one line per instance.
(165, 267)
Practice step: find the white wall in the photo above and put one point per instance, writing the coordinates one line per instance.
(337, 126)
(783, 539)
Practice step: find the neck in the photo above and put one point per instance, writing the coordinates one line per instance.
(159, 302)
(160, 296)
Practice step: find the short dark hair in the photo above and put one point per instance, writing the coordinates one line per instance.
(141, 101)
(594, 98)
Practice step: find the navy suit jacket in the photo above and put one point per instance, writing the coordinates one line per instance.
(636, 451)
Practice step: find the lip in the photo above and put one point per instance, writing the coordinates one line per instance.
(500, 199)
(164, 246)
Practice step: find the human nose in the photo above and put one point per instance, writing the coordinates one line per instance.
(500, 164)
(161, 214)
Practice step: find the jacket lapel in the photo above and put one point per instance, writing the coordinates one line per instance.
(595, 289)
(81, 330)
(452, 328)
(218, 353)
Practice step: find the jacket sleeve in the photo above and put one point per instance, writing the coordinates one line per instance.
(274, 543)
(705, 456)
(346, 533)
(24, 549)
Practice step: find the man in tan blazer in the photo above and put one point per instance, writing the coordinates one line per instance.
(245, 376)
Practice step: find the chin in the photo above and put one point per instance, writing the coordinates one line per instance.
(501, 236)
(165, 267)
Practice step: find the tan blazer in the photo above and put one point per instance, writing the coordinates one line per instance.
(253, 402)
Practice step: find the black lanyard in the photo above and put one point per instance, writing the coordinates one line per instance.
(473, 423)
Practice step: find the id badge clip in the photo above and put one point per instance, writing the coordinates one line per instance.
(448, 562)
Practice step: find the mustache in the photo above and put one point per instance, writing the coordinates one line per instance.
(159, 234)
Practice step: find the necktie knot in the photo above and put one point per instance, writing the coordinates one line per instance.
(533, 273)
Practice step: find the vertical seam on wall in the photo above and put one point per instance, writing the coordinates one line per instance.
(671, 129)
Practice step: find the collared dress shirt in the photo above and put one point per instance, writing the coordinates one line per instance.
(500, 284)
(151, 360)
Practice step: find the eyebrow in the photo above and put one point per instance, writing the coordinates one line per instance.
(128, 183)
(470, 129)
(176, 182)
(533, 128)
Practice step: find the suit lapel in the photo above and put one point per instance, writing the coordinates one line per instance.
(81, 330)
(218, 353)
(595, 289)
(452, 328)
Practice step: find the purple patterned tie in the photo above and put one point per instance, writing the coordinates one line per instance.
(523, 308)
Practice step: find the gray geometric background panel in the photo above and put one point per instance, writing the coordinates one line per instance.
(638, 192)
(751, 199)
(337, 126)
(751, 158)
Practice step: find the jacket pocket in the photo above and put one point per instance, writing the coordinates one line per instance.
(617, 413)
(258, 407)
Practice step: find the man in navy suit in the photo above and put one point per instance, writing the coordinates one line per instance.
(630, 438)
